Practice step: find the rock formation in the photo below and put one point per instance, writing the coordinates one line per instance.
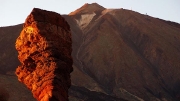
(44, 50)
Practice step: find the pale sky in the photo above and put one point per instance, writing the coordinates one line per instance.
(14, 12)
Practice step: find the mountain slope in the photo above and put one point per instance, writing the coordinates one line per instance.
(125, 49)
(8, 55)
(118, 55)
(15, 91)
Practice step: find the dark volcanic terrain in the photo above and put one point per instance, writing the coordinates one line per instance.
(118, 55)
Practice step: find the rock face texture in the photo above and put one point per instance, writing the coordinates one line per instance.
(44, 50)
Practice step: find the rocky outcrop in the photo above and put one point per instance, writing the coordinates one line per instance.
(44, 50)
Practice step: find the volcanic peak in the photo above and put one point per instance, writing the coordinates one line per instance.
(88, 8)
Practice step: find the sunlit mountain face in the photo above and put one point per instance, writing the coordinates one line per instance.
(118, 55)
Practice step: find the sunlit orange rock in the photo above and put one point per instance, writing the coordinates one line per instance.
(44, 50)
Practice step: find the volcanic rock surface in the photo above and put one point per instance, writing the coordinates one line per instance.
(125, 54)
(44, 50)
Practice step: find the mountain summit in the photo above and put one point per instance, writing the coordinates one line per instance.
(88, 8)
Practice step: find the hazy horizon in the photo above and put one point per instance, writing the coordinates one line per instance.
(15, 12)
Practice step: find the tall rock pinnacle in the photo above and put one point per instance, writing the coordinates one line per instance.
(44, 50)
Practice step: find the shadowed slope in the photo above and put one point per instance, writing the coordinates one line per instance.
(16, 91)
(7, 52)
(125, 49)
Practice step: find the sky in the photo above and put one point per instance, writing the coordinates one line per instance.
(13, 12)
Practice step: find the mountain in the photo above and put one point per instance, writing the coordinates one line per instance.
(118, 55)
(7, 47)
